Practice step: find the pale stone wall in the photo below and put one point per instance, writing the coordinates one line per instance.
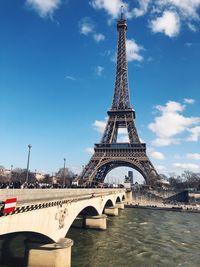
(194, 195)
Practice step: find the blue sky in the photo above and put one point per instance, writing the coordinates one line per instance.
(57, 71)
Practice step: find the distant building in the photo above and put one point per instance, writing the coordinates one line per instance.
(75, 183)
(129, 178)
(39, 176)
(130, 175)
(54, 179)
(4, 171)
(127, 185)
(1, 170)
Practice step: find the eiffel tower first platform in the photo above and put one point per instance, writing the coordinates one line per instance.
(109, 154)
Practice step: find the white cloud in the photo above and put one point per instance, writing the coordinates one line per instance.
(166, 16)
(70, 78)
(86, 26)
(99, 126)
(122, 135)
(194, 156)
(44, 7)
(112, 7)
(123, 138)
(172, 123)
(187, 8)
(194, 134)
(133, 51)
(187, 166)
(192, 27)
(189, 101)
(165, 141)
(188, 44)
(122, 130)
(186, 12)
(160, 168)
(157, 155)
(141, 140)
(168, 23)
(99, 37)
(99, 70)
(89, 150)
(143, 7)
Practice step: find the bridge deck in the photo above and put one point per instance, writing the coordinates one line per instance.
(27, 196)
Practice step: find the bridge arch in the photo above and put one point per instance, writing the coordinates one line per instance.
(117, 200)
(109, 203)
(88, 211)
(109, 165)
(10, 256)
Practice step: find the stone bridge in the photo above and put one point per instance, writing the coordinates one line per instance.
(51, 212)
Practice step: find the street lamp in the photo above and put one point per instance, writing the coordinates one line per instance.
(11, 173)
(64, 173)
(27, 170)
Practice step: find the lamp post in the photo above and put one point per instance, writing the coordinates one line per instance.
(64, 173)
(27, 170)
(11, 167)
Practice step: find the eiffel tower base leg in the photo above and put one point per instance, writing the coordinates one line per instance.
(113, 211)
(129, 197)
(95, 222)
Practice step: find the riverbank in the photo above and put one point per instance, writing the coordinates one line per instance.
(166, 207)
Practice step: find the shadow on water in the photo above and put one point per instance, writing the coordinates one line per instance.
(13, 251)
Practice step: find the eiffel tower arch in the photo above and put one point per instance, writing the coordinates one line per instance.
(110, 154)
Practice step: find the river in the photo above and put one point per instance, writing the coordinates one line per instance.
(140, 238)
(135, 238)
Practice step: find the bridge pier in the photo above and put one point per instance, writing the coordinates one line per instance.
(49, 255)
(111, 211)
(129, 197)
(120, 205)
(95, 222)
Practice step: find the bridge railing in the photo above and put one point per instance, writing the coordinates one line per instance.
(34, 195)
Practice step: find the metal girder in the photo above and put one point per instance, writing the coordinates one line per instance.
(109, 154)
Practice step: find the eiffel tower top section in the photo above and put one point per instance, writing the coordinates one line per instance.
(121, 98)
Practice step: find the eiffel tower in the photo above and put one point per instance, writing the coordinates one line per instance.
(109, 154)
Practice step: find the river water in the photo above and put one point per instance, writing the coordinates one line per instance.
(140, 238)
(135, 238)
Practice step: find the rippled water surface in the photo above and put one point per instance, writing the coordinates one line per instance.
(140, 237)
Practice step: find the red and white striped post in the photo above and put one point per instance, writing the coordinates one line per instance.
(10, 205)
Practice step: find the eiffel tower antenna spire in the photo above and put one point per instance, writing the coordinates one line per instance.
(121, 80)
(110, 153)
(122, 12)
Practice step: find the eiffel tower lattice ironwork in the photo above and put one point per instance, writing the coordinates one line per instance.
(109, 153)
